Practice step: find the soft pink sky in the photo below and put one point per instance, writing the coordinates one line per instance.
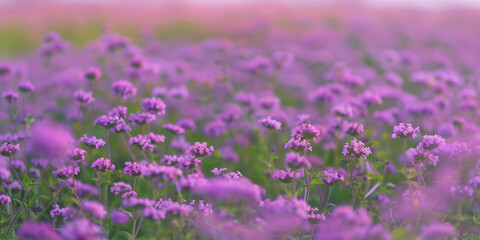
(421, 4)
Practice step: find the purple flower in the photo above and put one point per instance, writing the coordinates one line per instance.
(103, 164)
(218, 172)
(66, 172)
(355, 129)
(405, 130)
(284, 176)
(92, 142)
(437, 231)
(10, 96)
(171, 159)
(8, 149)
(356, 149)
(133, 169)
(120, 217)
(25, 86)
(107, 121)
(118, 112)
(270, 123)
(332, 176)
(155, 138)
(298, 145)
(141, 142)
(282, 60)
(124, 89)
(215, 128)
(124, 189)
(199, 150)
(76, 154)
(175, 129)
(84, 97)
(141, 118)
(166, 173)
(154, 106)
(431, 142)
(80, 228)
(295, 160)
(224, 189)
(94, 208)
(37, 231)
(187, 124)
(306, 131)
(4, 199)
(93, 73)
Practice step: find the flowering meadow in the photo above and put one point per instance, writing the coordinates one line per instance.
(354, 128)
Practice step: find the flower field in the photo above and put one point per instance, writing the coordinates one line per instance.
(308, 127)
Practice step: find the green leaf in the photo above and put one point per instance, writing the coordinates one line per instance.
(299, 190)
(122, 235)
(376, 177)
(316, 181)
(375, 144)
(398, 233)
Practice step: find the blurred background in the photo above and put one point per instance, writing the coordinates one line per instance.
(24, 22)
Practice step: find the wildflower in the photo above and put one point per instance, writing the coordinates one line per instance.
(355, 129)
(10, 96)
(84, 97)
(166, 173)
(155, 138)
(270, 123)
(298, 145)
(118, 112)
(8, 149)
(403, 130)
(133, 169)
(141, 142)
(215, 129)
(37, 231)
(332, 176)
(154, 106)
(124, 189)
(199, 150)
(4, 199)
(124, 89)
(94, 208)
(76, 154)
(141, 118)
(306, 131)
(103, 164)
(187, 124)
(120, 217)
(25, 87)
(284, 176)
(80, 228)
(356, 149)
(66, 172)
(175, 129)
(93, 73)
(92, 142)
(295, 160)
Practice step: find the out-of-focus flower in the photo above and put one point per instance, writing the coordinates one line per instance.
(405, 130)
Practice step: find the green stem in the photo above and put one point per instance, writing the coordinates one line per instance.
(18, 212)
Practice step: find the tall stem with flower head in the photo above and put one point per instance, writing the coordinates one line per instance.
(269, 159)
(407, 175)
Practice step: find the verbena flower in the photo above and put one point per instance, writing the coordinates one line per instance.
(84, 97)
(25, 86)
(306, 131)
(285, 176)
(94, 208)
(125, 89)
(405, 130)
(296, 160)
(92, 142)
(4, 199)
(76, 154)
(66, 172)
(133, 169)
(154, 106)
(141, 118)
(270, 123)
(10, 96)
(123, 189)
(8, 149)
(298, 145)
(103, 164)
(332, 176)
(37, 231)
(80, 228)
(199, 150)
(141, 142)
(93, 73)
(356, 149)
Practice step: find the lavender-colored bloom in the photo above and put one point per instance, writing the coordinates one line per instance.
(218, 172)
(298, 145)
(76, 154)
(224, 189)
(25, 87)
(93, 73)
(94, 208)
(155, 138)
(66, 172)
(83, 97)
(118, 112)
(137, 203)
(103, 164)
(107, 121)
(37, 231)
(405, 130)
(270, 123)
(295, 160)
(154, 106)
(187, 124)
(355, 129)
(282, 60)
(4, 199)
(332, 176)
(431, 142)
(8, 149)
(141, 118)
(229, 154)
(120, 217)
(141, 142)
(215, 128)
(284, 176)
(124, 89)
(124, 189)
(92, 142)
(175, 129)
(40, 162)
(121, 127)
(166, 173)
(306, 131)
(133, 169)
(80, 229)
(356, 149)
(437, 231)
(199, 150)
(245, 99)
(19, 165)
(10, 96)
(171, 159)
